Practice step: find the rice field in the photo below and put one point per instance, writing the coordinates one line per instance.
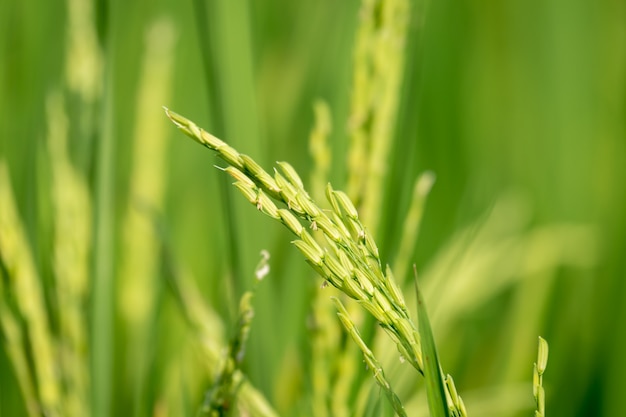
(482, 143)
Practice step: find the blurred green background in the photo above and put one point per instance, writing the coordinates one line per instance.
(518, 107)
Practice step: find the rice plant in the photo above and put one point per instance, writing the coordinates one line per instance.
(481, 160)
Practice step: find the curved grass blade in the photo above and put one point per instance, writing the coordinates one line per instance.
(435, 390)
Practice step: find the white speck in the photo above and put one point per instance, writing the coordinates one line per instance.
(263, 268)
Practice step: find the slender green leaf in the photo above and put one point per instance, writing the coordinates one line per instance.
(435, 390)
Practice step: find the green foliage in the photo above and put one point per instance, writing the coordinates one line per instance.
(123, 254)
(435, 389)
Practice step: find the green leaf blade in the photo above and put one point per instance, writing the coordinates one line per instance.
(435, 390)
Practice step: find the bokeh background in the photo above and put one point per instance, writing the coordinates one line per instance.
(518, 107)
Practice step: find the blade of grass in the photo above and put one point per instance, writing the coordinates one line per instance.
(435, 390)
(139, 286)
(412, 224)
(103, 283)
(215, 96)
